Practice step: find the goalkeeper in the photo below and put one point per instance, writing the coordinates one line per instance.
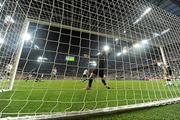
(99, 71)
(31, 74)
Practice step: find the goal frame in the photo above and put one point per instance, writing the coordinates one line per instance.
(87, 113)
(18, 52)
(97, 112)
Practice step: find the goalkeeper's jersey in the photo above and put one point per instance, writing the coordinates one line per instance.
(102, 60)
(169, 71)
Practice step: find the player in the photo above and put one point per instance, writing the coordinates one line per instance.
(168, 76)
(31, 73)
(28, 77)
(54, 73)
(8, 70)
(85, 75)
(42, 76)
(99, 71)
(39, 78)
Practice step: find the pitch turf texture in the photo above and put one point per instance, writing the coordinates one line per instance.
(30, 98)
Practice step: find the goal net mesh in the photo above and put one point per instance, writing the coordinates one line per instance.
(9, 39)
(65, 37)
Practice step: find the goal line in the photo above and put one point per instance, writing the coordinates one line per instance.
(97, 112)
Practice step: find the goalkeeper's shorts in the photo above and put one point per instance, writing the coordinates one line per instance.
(99, 72)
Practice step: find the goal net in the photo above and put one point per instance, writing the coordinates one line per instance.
(66, 58)
(11, 22)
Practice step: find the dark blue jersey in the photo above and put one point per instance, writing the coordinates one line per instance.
(169, 71)
(102, 60)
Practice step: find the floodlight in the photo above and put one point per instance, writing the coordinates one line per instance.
(124, 51)
(1, 40)
(41, 59)
(156, 34)
(118, 54)
(98, 53)
(1, 5)
(93, 63)
(145, 41)
(116, 39)
(165, 31)
(106, 48)
(136, 45)
(159, 34)
(36, 47)
(26, 37)
(124, 31)
(145, 12)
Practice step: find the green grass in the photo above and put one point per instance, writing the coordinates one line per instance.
(69, 95)
(169, 112)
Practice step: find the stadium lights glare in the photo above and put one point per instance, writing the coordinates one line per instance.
(156, 34)
(165, 31)
(145, 41)
(162, 33)
(106, 48)
(124, 51)
(36, 47)
(145, 12)
(41, 59)
(124, 32)
(136, 45)
(116, 39)
(98, 53)
(93, 63)
(118, 54)
(26, 37)
(1, 5)
(1, 40)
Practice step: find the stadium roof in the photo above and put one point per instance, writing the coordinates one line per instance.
(172, 6)
(105, 17)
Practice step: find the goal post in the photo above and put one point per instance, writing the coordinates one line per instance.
(12, 19)
(23, 35)
(163, 55)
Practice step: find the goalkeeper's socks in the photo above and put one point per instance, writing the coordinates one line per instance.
(90, 82)
(104, 82)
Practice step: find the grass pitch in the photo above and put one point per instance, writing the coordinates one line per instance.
(32, 98)
(168, 112)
